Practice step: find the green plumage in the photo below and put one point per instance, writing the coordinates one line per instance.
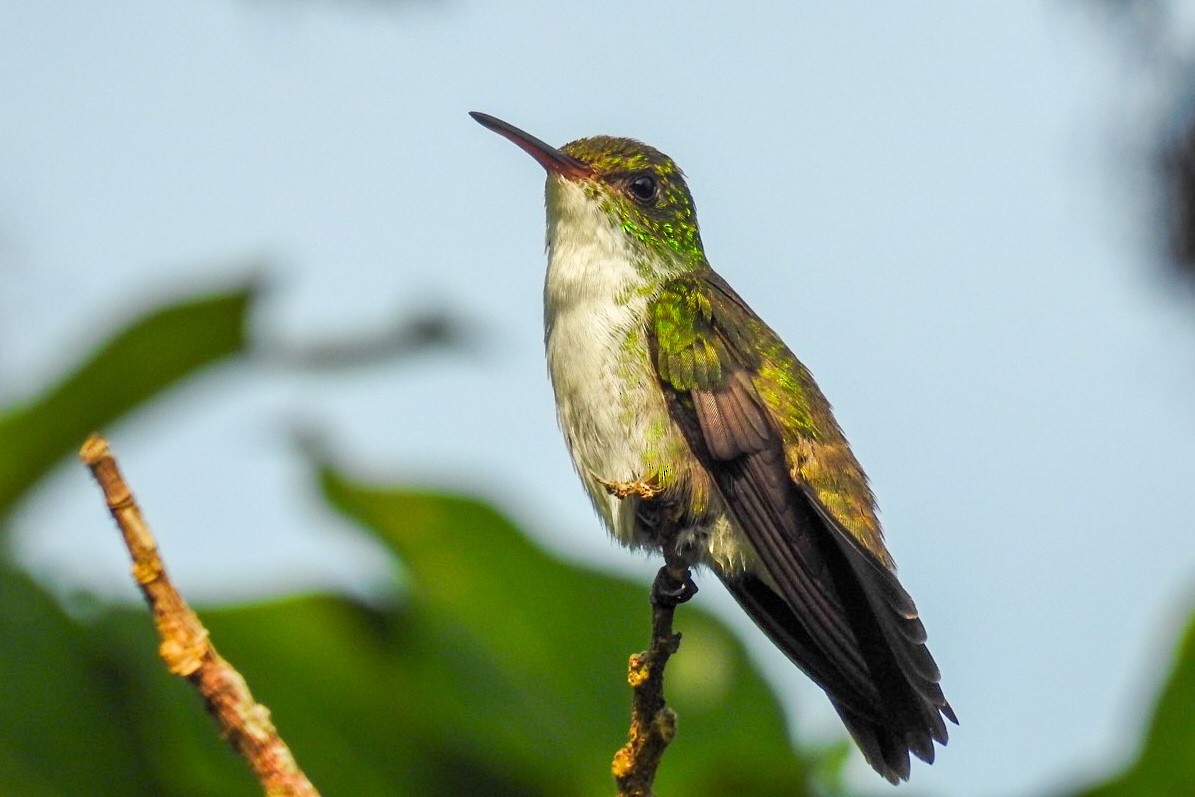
(688, 353)
(680, 406)
(704, 333)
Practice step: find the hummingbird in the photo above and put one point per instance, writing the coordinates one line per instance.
(696, 431)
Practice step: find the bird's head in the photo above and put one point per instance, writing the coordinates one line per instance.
(609, 183)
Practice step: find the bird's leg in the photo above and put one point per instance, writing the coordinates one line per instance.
(672, 589)
(646, 488)
(674, 583)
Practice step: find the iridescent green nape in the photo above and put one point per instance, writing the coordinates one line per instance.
(671, 222)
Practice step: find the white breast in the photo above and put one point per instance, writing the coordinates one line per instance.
(608, 401)
(595, 312)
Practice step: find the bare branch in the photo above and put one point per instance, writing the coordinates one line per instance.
(185, 646)
(653, 723)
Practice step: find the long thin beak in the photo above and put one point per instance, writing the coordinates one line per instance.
(548, 156)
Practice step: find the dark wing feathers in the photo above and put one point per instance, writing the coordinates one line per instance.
(757, 485)
(736, 426)
(770, 612)
(901, 625)
(829, 603)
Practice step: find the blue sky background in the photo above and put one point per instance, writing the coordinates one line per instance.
(931, 206)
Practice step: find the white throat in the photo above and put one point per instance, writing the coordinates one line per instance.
(591, 260)
(595, 317)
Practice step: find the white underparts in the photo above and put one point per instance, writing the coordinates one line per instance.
(608, 402)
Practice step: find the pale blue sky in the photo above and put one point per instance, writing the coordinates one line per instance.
(925, 204)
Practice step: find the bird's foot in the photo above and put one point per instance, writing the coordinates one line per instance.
(672, 588)
(641, 488)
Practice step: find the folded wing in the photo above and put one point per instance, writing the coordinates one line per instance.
(822, 593)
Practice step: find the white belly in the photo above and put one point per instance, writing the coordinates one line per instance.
(618, 430)
(608, 400)
(609, 408)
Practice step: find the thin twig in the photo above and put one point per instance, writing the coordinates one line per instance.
(185, 646)
(653, 723)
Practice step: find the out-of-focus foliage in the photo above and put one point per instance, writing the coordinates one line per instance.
(62, 721)
(71, 713)
(496, 669)
(134, 366)
(550, 642)
(1157, 36)
(1166, 763)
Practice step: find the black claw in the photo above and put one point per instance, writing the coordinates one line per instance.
(669, 591)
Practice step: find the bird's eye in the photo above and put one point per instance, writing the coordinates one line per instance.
(644, 188)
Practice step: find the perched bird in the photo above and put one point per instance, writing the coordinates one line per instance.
(693, 427)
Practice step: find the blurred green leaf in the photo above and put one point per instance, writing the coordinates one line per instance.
(501, 670)
(69, 724)
(135, 365)
(1166, 764)
(556, 637)
(61, 731)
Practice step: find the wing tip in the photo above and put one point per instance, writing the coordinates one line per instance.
(886, 748)
(884, 751)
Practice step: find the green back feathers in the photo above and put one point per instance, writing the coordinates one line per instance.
(706, 339)
(689, 354)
